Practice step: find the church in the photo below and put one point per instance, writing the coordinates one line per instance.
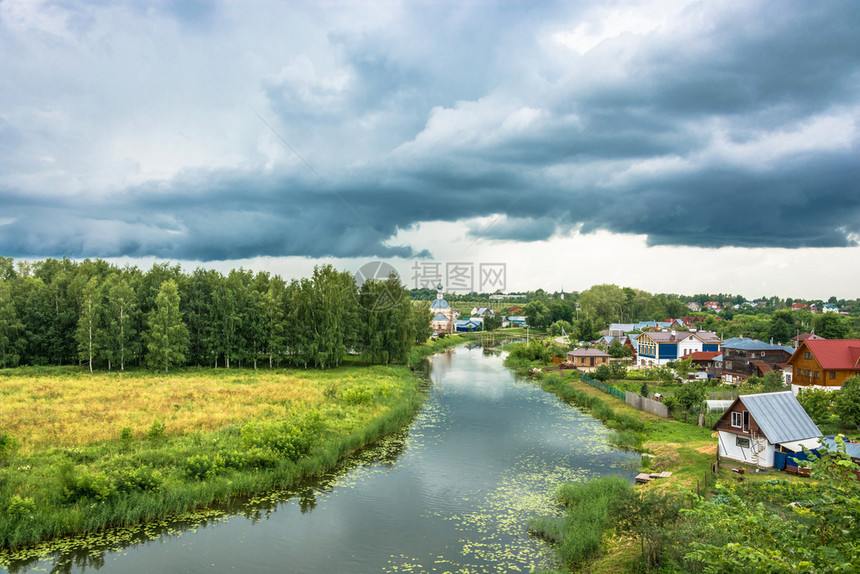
(443, 314)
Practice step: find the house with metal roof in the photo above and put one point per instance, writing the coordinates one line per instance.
(756, 426)
(824, 363)
(745, 357)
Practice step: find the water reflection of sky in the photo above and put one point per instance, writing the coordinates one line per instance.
(485, 453)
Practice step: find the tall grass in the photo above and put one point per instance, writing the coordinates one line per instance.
(578, 532)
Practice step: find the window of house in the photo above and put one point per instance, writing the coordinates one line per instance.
(762, 353)
(832, 375)
(742, 442)
(736, 420)
(815, 375)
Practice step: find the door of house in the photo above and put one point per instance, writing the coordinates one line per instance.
(746, 421)
(591, 361)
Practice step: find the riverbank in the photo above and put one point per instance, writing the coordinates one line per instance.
(160, 445)
(685, 522)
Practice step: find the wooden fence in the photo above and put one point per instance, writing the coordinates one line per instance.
(648, 405)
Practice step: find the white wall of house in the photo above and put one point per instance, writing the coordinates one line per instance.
(689, 345)
(729, 448)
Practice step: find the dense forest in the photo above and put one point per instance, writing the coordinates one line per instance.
(58, 311)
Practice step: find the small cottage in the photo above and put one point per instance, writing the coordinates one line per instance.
(587, 359)
(756, 426)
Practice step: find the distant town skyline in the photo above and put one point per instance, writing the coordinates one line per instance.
(671, 146)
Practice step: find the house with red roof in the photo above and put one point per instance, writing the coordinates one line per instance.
(824, 363)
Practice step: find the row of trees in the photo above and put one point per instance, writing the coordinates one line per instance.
(64, 312)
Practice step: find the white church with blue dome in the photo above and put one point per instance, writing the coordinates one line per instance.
(443, 314)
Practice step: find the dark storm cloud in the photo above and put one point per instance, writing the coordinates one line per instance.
(705, 133)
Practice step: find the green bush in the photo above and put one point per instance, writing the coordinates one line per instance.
(125, 435)
(20, 508)
(156, 430)
(78, 485)
(202, 466)
(357, 396)
(290, 439)
(142, 478)
(8, 447)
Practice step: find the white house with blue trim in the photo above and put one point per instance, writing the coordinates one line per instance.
(661, 347)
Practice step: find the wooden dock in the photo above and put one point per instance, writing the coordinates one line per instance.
(644, 477)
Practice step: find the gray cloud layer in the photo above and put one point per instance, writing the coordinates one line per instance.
(723, 127)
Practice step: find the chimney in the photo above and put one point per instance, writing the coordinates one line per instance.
(674, 333)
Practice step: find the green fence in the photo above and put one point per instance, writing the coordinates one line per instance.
(604, 387)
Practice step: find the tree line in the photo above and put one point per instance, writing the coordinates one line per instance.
(60, 312)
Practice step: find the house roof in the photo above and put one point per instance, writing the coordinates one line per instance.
(707, 337)
(664, 337)
(754, 345)
(834, 354)
(702, 355)
(440, 304)
(762, 367)
(587, 353)
(440, 317)
(806, 336)
(779, 416)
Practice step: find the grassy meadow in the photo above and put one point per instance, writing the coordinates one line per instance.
(91, 452)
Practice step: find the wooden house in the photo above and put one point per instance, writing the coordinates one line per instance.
(756, 426)
(743, 358)
(587, 359)
(824, 363)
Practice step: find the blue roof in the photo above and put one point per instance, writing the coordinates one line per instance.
(754, 345)
(440, 304)
(440, 317)
(852, 449)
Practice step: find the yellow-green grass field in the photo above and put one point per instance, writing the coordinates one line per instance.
(116, 449)
(68, 407)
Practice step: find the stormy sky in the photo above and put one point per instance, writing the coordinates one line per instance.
(638, 135)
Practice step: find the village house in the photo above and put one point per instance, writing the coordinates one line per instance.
(693, 306)
(660, 348)
(744, 358)
(482, 311)
(705, 361)
(755, 427)
(713, 306)
(798, 339)
(824, 363)
(587, 359)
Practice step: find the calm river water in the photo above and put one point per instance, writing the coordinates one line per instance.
(452, 493)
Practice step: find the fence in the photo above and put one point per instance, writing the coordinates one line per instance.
(648, 405)
(604, 387)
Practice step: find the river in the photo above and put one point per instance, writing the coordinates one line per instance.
(452, 493)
